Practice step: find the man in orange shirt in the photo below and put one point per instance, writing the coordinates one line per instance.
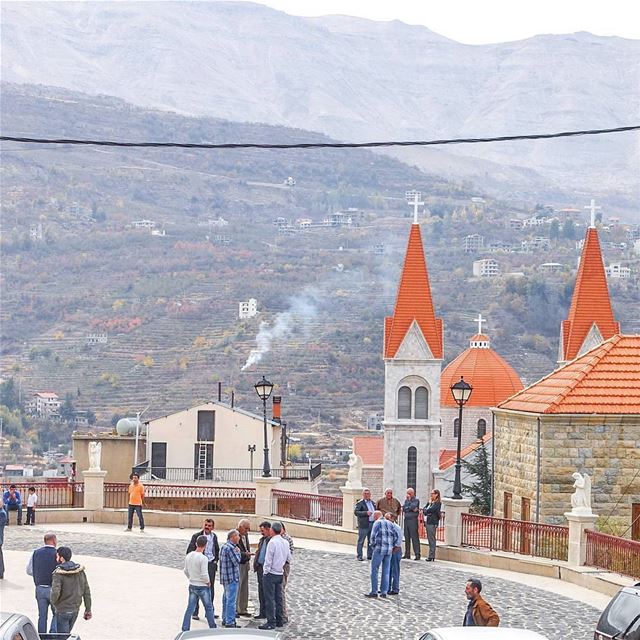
(136, 497)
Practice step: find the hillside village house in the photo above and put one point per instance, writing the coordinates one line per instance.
(44, 404)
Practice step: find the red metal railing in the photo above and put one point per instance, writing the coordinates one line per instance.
(307, 506)
(422, 528)
(53, 495)
(516, 536)
(116, 494)
(613, 554)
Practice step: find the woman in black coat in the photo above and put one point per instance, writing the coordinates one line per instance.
(431, 514)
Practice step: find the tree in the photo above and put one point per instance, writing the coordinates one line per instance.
(9, 394)
(569, 229)
(67, 410)
(91, 417)
(554, 230)
(480, 490)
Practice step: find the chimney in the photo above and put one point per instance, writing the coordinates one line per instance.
(233, 398)
(277, 401)
(219, 391)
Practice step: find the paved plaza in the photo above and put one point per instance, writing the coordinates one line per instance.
(140, 591)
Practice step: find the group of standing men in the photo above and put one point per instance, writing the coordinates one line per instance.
(271, 563)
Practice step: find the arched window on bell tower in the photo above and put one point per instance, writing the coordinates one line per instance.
(422, 403)
(404, 403)
(412, 467)
(456, 427)
(482, 428)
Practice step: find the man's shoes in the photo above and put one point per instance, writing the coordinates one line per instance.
(259, 616)
(243, 615)
(195, 617)
(370, 595)
(267, 627)
(430, 559)
(230, 626)
(406, 557)
(392, 593)
(216, 616)
(360, 559)
(417, 558)
(383, 595)
(127, 530)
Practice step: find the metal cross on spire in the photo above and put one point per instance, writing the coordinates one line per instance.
(592, 208)
(479, 320)
(414, 199)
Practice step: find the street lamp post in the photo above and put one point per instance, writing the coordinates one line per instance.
(461, 392)
(251, 449)
(264, 389)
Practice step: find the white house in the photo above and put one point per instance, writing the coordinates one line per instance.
(486, 268)
(616, 270)
(45, 403)
(248, 309)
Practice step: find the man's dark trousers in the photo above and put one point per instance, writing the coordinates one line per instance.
(364, 533)
(272, 585)
(263, 610)
(411, 537)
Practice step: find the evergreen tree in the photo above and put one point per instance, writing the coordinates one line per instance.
(67, 410)
(9, 394)
(480, 490)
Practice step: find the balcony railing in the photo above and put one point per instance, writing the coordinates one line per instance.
(613, 554)
(228, 474)
(54, 495)
(516, 536)
(307, 506)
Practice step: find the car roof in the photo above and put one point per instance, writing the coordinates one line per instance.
(480, 633)
(238, 634)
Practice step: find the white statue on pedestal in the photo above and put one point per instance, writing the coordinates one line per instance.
(95, 450)
(581, 497)
(354, 477)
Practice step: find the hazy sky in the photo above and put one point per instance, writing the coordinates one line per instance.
(485, 21)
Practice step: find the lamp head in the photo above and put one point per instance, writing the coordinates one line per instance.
(461, 391)
(263, 388)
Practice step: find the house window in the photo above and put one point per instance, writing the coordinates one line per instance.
(412, 467)
(206, 426)
(482, 428)
(422, 403)
(456, 427)
(159, 459)
(404, 403)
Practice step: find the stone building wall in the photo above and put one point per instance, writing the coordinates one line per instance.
(605, 447)
(470, 417)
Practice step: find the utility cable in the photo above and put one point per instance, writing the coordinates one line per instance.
(317, 145)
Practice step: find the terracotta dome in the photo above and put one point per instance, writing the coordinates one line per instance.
(493, 379)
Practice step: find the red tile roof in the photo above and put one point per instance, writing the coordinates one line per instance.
(493, 379)
(370, 449)
(413, 302)
(606, 380)
(590, 303)
(448, 456)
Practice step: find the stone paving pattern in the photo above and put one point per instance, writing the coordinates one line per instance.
(326, 592)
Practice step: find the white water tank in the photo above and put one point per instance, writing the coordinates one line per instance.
(127, 427)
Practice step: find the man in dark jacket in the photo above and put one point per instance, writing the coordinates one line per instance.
(211, 552)
(42, 563)
(364, 513)
(68, 589)
(258, 565)
(410, 509)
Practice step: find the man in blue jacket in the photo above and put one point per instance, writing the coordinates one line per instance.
(12, 501)
(42, 564)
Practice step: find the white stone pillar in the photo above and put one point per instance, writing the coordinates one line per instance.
(453, 510)
(578, 524)
(264, 487)
(349, 498)
(94, 489)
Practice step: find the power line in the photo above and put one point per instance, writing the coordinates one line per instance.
(317, 145)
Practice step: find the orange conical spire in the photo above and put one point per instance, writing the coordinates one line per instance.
(590, 304)
(413, 302)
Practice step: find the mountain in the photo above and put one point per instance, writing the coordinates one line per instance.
(353, 79)
(75, 267)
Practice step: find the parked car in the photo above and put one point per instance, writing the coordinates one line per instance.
(621, 618)
(15, 625)
(229, 634)
(481, 633)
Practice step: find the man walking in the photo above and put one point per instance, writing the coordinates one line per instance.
(479, 612)
(136, 498)
(396, 554)
(389, 504)
(69, 587)
(278, 553)
(211, 553)
(230, 558)
(12, 501)
(364, 513)
(258, 566)
(411, 508)
(41, 566)
(244, 526)
(384, 538)
(195, 568)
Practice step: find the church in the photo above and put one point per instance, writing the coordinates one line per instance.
(420, 417)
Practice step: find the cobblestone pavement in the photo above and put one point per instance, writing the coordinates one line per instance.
(326, 592)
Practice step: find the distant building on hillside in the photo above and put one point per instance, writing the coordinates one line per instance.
(44, 404)
(516, 223)
(551, 267)
(143, 224)
(374, 421)
(248, 309)
(536, 244)
(473, 243)
(486, 268)
(96, 338)
(616, 270)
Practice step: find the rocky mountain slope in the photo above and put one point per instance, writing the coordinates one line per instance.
(352, 79)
